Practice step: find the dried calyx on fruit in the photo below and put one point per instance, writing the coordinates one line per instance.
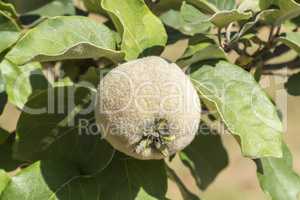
(148, 108)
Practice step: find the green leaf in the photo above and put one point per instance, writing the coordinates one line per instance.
(136, 179)
(292, 85)
(94, 6)
(159, 7)
(7, 162)
(66, 37)
(125, 178)
(285, 10)
(46, 8)
(223, 12)
(239, 99)
(66, 129)
(205, 157)
(21, 81)
(140, 28)
(213, 6)
(9, 31)
(201, 49)
(4, 180)
(277, 178)
(249, 5)
(292, 40)
(42, 180)
(188, 20)
(248, 25)
(224, 18)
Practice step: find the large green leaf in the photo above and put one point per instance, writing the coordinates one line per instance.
(9, 31)
(243, 106)
(140, 28)
(65, 130)
(125, 178)
(292, 40)
(188, 20)
(47, 8)
(292, 85)
(21, 81)
(286, 9)
(66, 37)
(4, 180)
(277, 178)
(205, 157)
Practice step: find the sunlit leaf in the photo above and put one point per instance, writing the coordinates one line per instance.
(70, 37)
(222, 12)
(4, 180)
(284, 10)
(277, 177)
(21, 81)
(140, 28)
(224, 18)
(239, 99)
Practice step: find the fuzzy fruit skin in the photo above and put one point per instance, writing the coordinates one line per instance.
(140, 91)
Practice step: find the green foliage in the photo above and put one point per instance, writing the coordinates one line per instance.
(20, 82)
(37, 45)
(53, 54)
(200, 156)
(9, 31)
(229, 88)
(292, 85)
(283, 10)
(124, 178)
(45, 8)
(292, 40)
(4, 180)
(184, 20)
(277, 177)
(140, 28)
